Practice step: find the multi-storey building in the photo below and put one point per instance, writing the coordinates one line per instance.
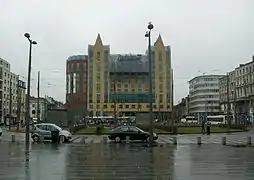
(43, 103)
(181, 110)
(76, 87)
(121, 82)
(21, 101)
(204, 96)
(237, 90)
(8, 93)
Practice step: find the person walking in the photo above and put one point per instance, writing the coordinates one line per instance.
(203, 126)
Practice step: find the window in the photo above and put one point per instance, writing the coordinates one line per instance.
(120, 106)
(133, 106)
(98, 97)
(124, 129)
(98, 67)
(112, 106)
(98, 54)
(98, 76)
(105, 106)
(127, 106)
(160, 98)
(51, 128)
(133, 129)
(98, 87)
(42, 127)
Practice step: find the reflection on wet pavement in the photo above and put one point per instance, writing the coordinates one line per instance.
(125, 161)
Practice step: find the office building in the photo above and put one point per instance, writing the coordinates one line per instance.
(204, 96)
(120, 83)
(8, 93)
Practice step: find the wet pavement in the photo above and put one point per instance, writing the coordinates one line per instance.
(216, 138)
(124, 161)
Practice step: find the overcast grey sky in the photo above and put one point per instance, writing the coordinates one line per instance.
(206, 36)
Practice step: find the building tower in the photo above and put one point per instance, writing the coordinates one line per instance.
(76, 88)
(162, 78)
(98, 55)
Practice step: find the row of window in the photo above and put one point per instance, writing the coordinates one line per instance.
(204, 79)
(76, 67)
(204, 97)
(128, 106)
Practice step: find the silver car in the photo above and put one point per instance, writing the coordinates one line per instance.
(44, 130)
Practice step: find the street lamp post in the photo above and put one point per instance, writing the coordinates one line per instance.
(31, 42)
(148, 35)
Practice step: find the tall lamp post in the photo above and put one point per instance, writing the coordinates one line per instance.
(148, 35)
(31, 43)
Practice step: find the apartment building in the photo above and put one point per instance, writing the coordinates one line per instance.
(21, 101)
(238, 88)
(204, 96)
(42, 108)
(8, 93)
(119, 81)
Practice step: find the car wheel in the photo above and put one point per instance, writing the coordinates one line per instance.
(36, 138)
(118, 139)
(62, 139)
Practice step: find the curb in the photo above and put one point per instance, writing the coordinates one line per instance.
(169, 133)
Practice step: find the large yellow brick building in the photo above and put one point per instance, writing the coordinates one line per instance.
(120, 83)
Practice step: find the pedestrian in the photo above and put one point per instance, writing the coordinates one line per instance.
(208, 128)
(203, 126)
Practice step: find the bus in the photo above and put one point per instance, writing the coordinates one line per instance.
(219, 119)
(189, 120)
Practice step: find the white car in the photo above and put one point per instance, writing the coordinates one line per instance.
(44, 130)
(1, 131)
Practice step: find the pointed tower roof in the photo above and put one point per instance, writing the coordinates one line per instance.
(98, 40)
(159, 40)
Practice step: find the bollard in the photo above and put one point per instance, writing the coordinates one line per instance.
(224, 141)
(127, 139)
(175, 140)
(12, 138)
(105, 140)
(199, 140)
(83, 140)
(249, 140)
(41, 139)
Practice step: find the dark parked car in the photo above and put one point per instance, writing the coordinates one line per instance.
(120, 133)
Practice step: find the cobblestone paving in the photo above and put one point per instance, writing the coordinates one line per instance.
(112, 161)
